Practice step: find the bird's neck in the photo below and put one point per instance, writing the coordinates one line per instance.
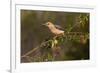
(52, 28)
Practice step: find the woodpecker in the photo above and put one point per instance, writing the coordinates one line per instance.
(54, 29)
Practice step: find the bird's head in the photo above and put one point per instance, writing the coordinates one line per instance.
(49, 24)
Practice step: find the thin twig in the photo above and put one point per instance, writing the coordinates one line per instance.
(31, 51)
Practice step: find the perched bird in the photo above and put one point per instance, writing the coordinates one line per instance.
(54, 29)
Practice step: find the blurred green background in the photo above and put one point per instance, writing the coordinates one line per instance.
(33, 33)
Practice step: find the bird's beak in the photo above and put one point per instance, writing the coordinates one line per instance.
(44, 24)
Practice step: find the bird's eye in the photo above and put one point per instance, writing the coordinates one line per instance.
(47, 23)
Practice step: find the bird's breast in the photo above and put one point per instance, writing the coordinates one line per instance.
(57, 31)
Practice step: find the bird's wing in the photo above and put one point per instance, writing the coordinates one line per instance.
(58, 27)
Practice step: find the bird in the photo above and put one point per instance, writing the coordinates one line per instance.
(55, 29)
(57, 32)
